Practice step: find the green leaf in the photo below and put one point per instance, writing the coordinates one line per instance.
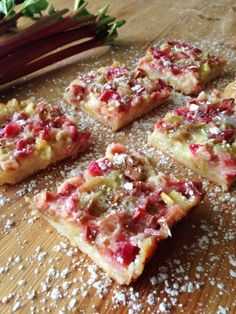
(80, 9)
(120, 23)
(112, 33)
(102, 18)
(11, 15)
(7, 8)
(103, 11)
(32, 7)
(52, 10)
(78, 4)
(107, 28)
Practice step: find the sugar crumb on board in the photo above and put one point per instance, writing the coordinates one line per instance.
(63, 276)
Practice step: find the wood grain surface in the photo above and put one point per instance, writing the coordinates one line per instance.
(192, 272)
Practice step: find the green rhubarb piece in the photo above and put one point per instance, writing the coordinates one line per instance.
(114, 180)
(101, 79)
(167, 199)
(164, 46)
(203, 165)
(173, 118)
(177, 197)
(124, 90)
(173, 197)
(205, 69)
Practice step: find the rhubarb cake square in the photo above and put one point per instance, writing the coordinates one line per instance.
(116, 96)
(201, 136)
(185, 67)
(33, 136)
(118, 210)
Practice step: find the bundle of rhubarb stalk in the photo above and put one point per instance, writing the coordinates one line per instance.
(51, 36)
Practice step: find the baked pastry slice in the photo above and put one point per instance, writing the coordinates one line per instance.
(115, 96)
(186, 68)
(201, 136)
(118, 211)
(33, 136)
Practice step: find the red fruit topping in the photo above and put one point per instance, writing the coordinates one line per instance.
(231, 177)
(24, 148)
(94, 169)
(126, 253)
(91, 231)
(139, 213)
(175, 70)
(188, 189)
(45, 134)
(229, 161)
(182, 111)
(77, 90)
(109, 95)
(193, 68)
(106, 163)
(73, 130)
(207, 112)
(197, 50)
(162, 85)
(229, 166)
(37, 129)
(21, 144)
(144, 219)
(43, 128)
(227, 136)
(50, 197)
(114, 72)
(12, 130)
(54, 110)
(67, 189)
(180, 44)
(194, 147)
(184, 54)
(162, 54)
(58, 121)
(174, 43)
(227, 105)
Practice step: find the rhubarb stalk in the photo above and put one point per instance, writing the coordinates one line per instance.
(52, 58)
(36, 46)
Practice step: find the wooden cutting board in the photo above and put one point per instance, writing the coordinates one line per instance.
(192, 272)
